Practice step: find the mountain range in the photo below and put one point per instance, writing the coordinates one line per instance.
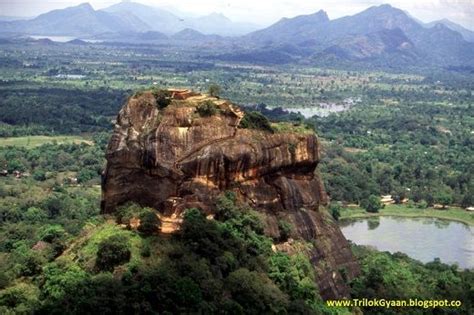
(466, 34)
(381, 34)
(123, 17)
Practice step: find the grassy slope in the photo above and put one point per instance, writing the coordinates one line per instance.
(453, 213)
(35, 141)
(84, 249)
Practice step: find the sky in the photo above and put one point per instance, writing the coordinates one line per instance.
(265, 12)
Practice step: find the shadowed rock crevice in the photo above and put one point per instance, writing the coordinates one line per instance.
(174, 158)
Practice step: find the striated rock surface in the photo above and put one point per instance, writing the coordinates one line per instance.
(174, 158)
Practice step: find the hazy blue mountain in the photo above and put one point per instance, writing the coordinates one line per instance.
(441, 45)
(81, 20)
(317, 28)
(156, 19)
(170, 23)
(373, 19)
(466, 34)
(297, 29)
(378, 32)
(44, 42)
(121, 18)
(217, 23)
(77, 42)
(189, 34)
(371, 45)
(435, 45)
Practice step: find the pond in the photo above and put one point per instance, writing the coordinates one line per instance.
(59, 39)
(420, 238)
(324, 109)
(63, 39)
(321, 110)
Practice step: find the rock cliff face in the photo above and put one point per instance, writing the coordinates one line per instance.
(179, 157)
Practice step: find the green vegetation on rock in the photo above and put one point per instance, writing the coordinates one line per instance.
(207, 108)
(255, 120)
(163, 97)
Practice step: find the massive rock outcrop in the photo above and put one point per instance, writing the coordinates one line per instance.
(173, 156)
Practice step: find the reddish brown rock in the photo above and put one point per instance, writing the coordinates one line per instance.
(173, 159)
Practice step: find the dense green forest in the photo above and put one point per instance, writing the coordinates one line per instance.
(410, 135)
(424, 153)
(59, 255)
(33, 109)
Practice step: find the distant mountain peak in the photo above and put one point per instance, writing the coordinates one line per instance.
(318, 17)
(77, 42)
(321, 14)
(189, 31)
(445, 20)
(467, 34)
(218, 16)
(448, 23)
(385, 9)
(127, 5)
(86, 6)
(190, 34)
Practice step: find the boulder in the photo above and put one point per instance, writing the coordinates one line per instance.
(175, 158)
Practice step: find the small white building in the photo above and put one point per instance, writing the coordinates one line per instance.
(387, 200)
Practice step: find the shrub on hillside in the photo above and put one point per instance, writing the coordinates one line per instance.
(285, 229)
(112, 252)
(149, 222)
(128, 211)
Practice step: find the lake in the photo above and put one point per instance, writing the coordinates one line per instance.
(59, 39)
(420, 238)
(63, 39)
(324, 109)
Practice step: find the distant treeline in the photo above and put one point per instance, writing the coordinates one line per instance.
(27, 110)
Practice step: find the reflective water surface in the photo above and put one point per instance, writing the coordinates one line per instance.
(420, 238)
